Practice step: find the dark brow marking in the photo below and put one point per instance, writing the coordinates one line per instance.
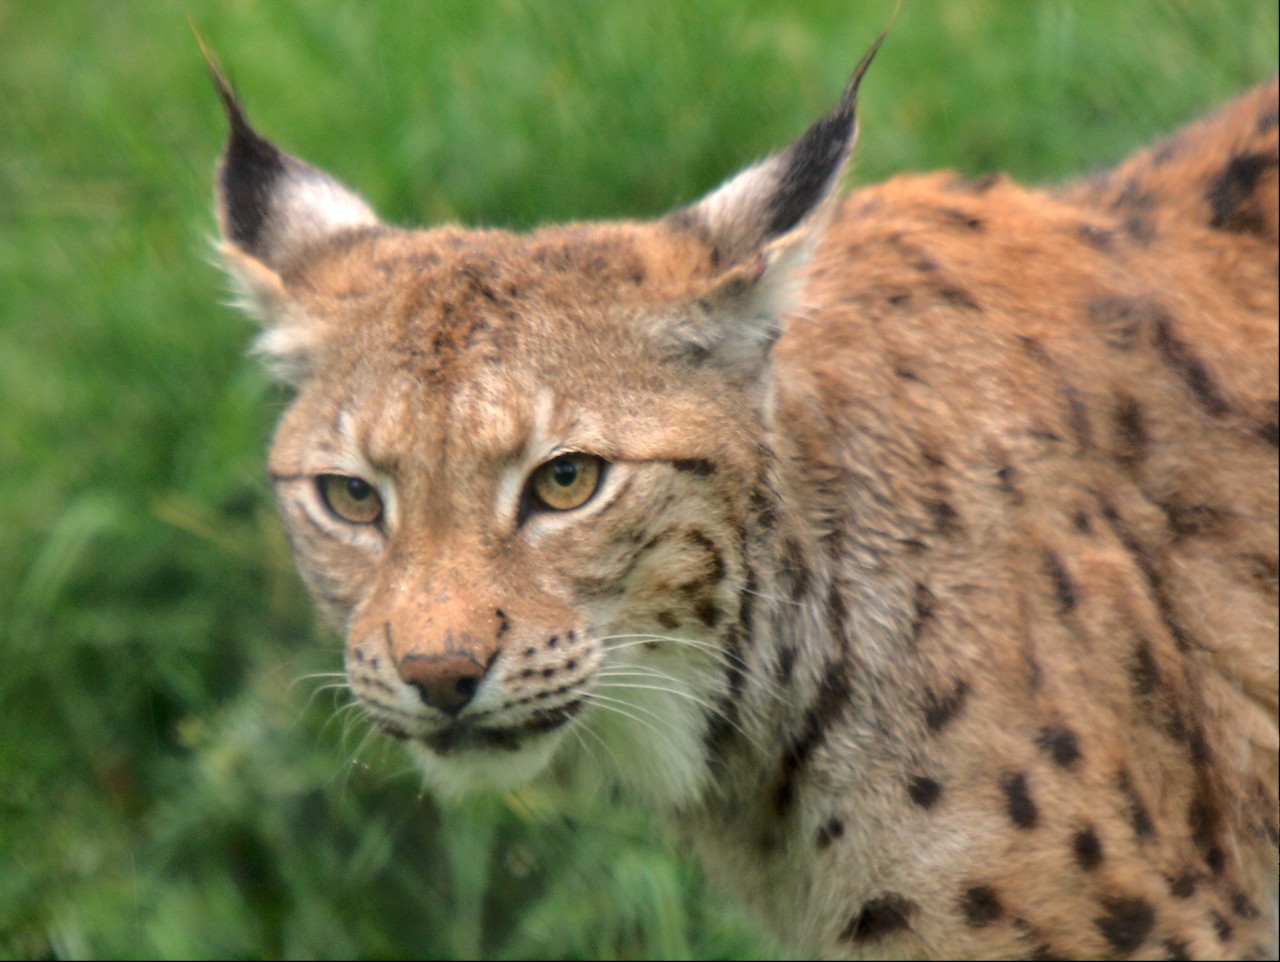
(696, 466)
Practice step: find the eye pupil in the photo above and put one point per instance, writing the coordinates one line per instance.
(358, 490)
(564, 473)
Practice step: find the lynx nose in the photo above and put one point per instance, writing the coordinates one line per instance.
(445, 682)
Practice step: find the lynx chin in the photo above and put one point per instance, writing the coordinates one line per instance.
(914, 551)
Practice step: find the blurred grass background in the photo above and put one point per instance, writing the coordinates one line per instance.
(173, 780)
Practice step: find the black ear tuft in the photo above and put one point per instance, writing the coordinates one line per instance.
(811, 164)
(249, 167)
(782, 195)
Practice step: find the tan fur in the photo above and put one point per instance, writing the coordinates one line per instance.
(943, 627)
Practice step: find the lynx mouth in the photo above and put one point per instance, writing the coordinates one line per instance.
(461, 736)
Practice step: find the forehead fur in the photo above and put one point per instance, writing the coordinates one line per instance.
(445, 301)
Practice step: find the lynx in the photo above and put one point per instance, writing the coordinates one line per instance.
(913, 552)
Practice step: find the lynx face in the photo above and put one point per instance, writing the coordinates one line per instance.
(514, 471)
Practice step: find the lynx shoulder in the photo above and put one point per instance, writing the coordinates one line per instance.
(914, 551)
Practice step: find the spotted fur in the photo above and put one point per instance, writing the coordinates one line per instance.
(930, 588)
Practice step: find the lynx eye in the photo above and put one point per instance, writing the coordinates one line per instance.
(351, 499)
(566, 482)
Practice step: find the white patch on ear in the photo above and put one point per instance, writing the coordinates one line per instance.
(290, 338)
(309, 205)
(732, 212)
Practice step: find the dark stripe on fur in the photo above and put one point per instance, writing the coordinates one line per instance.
(1190, 369)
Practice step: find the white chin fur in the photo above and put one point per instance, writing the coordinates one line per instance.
(462, 773)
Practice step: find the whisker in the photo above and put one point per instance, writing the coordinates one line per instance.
(611, 704)
(736, 661)
(693, 698)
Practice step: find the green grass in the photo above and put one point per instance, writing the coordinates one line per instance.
(168, 785)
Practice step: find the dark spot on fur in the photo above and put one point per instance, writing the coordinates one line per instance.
(980, 906)
(1138, 816)
(1241, 905)
(1202, 818)
(932, 458)
(1263, 570)
(700, 467)
(945, 519)
(764, 505)
(938, 711)
(1179, 356)
(1159, 591)
(786, 664)
(1231, 195)
(924, 791)
(960, 218)
(827, 709)
(1138, 226)
(1018, 803)
(1126, 922)
(1087, 849)
(1064, 588)
(1007, 475)
(958, 297)
(1176, 950)
(901, 299)
(1080, 520)
(1099, 238)
(830, 830)
(838, 616)
(503, 623)
(1190, 520)
(878, 918)
(795, 568)
(668, 620)
(1183, 885)
(1143, 671)
(706, 611)
(1060, 742)
(1268, 120)
(1269, 430)
(1043, 953)
(925, 601)
(1222, 926)
(1130, 430)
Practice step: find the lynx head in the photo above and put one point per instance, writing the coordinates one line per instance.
(518, 470)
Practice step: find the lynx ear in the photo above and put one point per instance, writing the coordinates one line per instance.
(271, 207)
(761, 226)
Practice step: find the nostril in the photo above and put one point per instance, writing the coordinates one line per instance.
(444, 682)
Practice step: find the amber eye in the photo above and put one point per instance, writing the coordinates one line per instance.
(566, 482)
(351, 499)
